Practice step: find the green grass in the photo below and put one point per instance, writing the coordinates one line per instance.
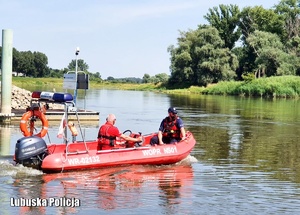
(280, 86)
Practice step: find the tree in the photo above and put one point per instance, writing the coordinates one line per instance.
(110, 78)
(271, 56)
(162, 77)
(26, 64)
(15, 63)
(289, 10)
(255, 19)
(146, 78)
(258, 18)
(225, 19)
(293, 46)
(33, 64)
(40, 62)
(57, 73)
(201, 58)
(81, 65)
(95, 76)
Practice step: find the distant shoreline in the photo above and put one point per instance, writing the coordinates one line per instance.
(271, 87)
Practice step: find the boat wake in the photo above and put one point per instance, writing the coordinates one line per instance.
(188, 160)
(8, 168)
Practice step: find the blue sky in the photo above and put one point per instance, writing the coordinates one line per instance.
(118, 38)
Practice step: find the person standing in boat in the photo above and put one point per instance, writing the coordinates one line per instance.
(171, 129)
(108, 134)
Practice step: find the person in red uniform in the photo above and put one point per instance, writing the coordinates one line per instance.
(108, 134)
(171, 129)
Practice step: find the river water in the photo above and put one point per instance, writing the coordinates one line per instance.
(246, 160)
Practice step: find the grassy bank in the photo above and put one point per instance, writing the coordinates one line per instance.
(282, 86)
(26, 82)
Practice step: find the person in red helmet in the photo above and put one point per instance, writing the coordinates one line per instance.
(171, 129)
(108, 134)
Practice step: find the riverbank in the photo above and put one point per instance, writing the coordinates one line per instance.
(275, 87)
(20, 98)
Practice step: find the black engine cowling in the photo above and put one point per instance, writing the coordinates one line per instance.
(30, 151)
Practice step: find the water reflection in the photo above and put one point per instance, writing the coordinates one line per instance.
(257, 132)
(107, 189)
(5, 140)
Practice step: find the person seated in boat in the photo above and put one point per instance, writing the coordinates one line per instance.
(171, 129)
(108, 133)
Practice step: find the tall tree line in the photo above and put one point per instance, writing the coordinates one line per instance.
(35, 64)
(238, 45)
(29, 63)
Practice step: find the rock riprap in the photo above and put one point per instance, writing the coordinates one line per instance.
(20, 99)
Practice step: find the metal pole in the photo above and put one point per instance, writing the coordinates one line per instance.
(6, 71)
(76, 69)
(6, 80)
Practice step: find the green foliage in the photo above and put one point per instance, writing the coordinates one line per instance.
(224, 88)
(95, 76)
(248, 76)
(124, 80)
(81, 65)
(293, 46)
(146, 78)
(56, 73)
(258, 18)
(283, 86)
(201, 58)
(272, 57)
(289, 11)
(225, 19)
(158, 78)
(29, 63)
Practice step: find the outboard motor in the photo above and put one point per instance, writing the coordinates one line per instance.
(30, 151)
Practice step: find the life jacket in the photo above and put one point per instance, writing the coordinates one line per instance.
(104, 138)
(170, 128)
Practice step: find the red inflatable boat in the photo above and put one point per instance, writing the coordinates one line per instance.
(32, 151)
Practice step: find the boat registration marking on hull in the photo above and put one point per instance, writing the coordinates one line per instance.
(157, 151)
(84, 160)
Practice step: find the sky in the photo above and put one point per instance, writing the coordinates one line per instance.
(117, 38)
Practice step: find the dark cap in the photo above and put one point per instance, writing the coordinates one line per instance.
(172, 110)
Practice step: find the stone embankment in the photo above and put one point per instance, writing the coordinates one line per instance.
(20, 99)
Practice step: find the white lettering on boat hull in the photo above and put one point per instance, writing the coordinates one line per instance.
(157, 151)
(170, 150)
(84, 160)
(152, 151)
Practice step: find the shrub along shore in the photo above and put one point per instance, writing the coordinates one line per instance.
(271, 87)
